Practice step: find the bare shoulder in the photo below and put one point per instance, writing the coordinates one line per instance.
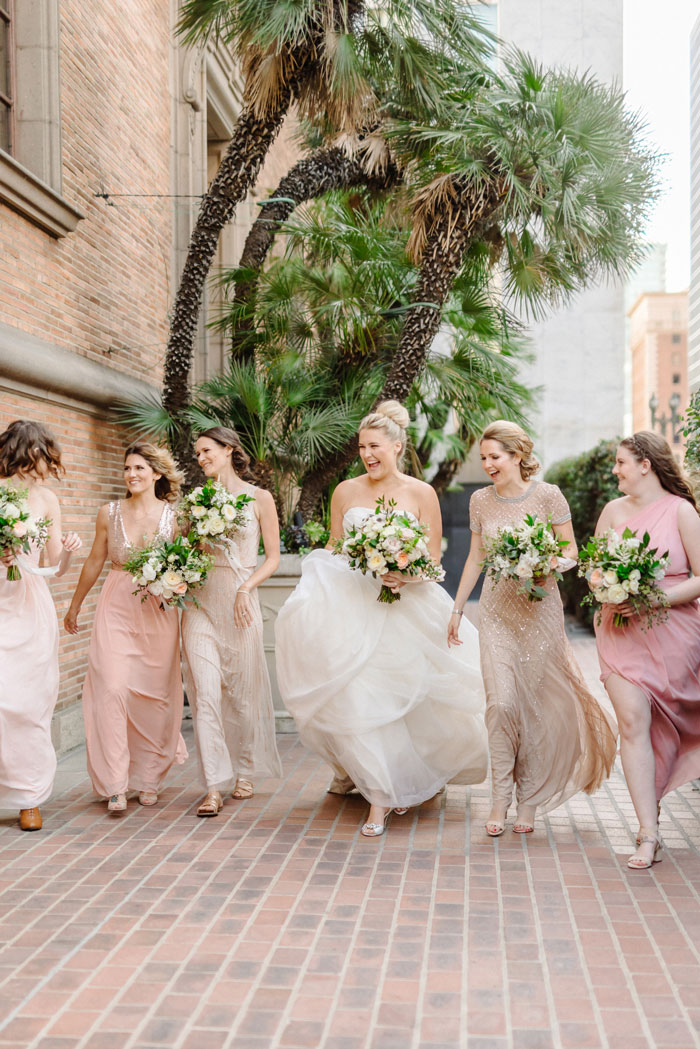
(49, 500)
(614, 512)
(261, 496)
(421, 490)
(687, 514)
(347, 491)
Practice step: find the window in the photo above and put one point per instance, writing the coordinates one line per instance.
(675, 337)
(7, 67)
(676, 378)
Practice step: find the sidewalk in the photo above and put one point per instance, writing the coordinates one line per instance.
(276, 926)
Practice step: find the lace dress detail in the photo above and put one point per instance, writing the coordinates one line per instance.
(374, 688)
(548, 735)
(228, 686)
(132, 696)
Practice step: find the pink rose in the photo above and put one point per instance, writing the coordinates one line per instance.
(596, 578)
(402, 559)
(180, 589)
(19, 529)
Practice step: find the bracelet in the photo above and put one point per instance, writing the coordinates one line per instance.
(456, 612)
(242, 591)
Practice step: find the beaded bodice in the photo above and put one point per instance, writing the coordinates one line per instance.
(118, 546)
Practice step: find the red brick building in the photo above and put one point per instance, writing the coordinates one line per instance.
(108, 128)
(658, 335)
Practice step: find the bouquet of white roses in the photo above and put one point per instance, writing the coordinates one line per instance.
(389, 541)
(170, 571)
(527, 553)
(621, 568)
(18, 529)
(212, 513)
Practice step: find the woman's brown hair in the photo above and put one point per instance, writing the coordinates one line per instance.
(161, 462)
(652, 446)
(25, 444)
(228, 438)
(513, 440)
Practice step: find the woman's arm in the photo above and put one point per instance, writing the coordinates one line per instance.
(689, 528)
(59, 548)
(270, 531)
(566, 531)
(470, 574)
(337, 504)
(90, 573)
(430, 516)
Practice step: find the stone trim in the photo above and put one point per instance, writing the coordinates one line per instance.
(47, 367)
(31, 197)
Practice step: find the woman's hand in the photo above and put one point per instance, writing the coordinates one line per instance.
(7, 558)
(242, 610)
(70, 621)
(626, 609)
(395, 580)
(71, 542)
(453, 630)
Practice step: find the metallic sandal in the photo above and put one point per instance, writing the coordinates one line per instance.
(211, 805)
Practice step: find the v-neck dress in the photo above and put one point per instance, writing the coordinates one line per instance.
(132, 696)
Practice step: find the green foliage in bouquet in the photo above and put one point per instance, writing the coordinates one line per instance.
(587, 483)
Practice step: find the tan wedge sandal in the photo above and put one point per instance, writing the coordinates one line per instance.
(212, 804)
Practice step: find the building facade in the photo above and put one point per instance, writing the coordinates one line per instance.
(658, 327)
(109, 129)
(694, 299)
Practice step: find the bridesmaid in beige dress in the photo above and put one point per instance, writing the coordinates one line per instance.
(132, 696)
(548, 735)
(228, 686)
(29, 456)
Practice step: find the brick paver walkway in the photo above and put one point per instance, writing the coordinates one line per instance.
(276, 926)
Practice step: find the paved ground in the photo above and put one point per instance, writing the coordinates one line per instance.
(276, 926)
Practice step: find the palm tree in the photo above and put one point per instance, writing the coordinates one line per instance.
(320, 56)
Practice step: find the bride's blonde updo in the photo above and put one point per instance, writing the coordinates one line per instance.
(392, 419)
(515, 441)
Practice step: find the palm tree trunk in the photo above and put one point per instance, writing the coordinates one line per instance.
(311, 177)
(239, 169)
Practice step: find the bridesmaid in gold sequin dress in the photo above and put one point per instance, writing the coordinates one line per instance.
(132, 696)
(228, 686)
(548, 735)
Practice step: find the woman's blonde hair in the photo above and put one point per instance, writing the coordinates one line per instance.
(392, 419)
(161, 461)
(515, 441)
(652, 446)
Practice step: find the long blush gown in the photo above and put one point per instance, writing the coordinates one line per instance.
(548, 735)
(373, 687)
(28, 688)
(228, 686)
(132, 696)
(663, 661)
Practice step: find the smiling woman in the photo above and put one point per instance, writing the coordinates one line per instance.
(132, 696)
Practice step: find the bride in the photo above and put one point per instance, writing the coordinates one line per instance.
(373, 687)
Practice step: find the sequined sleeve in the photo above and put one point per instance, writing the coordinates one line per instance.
(474, 516)
(558, 506)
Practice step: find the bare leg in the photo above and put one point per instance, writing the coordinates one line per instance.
(634, 720)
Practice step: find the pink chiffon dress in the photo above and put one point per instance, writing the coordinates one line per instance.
(132, 696)
(663, 661)
(28, 688)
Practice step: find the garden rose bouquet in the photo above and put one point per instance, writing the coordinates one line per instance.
(212, 513)
(527, 553)
(389, 540)
(621, 568)
(170, 571)
(18, 528)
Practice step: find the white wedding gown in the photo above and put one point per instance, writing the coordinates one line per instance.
(373, 687)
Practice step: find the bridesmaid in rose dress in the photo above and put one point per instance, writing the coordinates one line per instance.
(653, 675)
(132, 696)
(29, 456)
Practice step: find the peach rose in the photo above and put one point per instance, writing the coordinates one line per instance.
(180, 589)
(402, 559)
(596, 579)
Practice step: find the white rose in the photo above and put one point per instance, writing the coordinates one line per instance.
(228, 512)
(634, 543)
(406, 533)
(626, 585)
(392, 545)
(192, 577)
(600, 596)
(635, 575)
(610, 576)
(156, 588)
(616, 594)
(634, 586)
(11, 511)
(199, 511)
(148, 572)
(171, 579)
(523, 570)
(659, 572)
(376, 563)
(203, 528)
(216, 525)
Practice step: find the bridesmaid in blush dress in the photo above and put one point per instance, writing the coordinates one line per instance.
(548, 735)
(29, 456)
(228, 686)
(132, 696)
(653, 675)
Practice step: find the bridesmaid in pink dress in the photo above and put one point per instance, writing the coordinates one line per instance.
(29, 455)
(653, 676)
(132, 696)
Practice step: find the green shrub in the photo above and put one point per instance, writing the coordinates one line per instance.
(588, 484)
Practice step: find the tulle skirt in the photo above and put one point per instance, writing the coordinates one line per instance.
(375, 690)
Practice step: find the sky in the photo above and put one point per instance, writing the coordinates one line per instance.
(657, 82)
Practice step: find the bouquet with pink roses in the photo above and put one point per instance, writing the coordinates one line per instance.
(18, 528)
